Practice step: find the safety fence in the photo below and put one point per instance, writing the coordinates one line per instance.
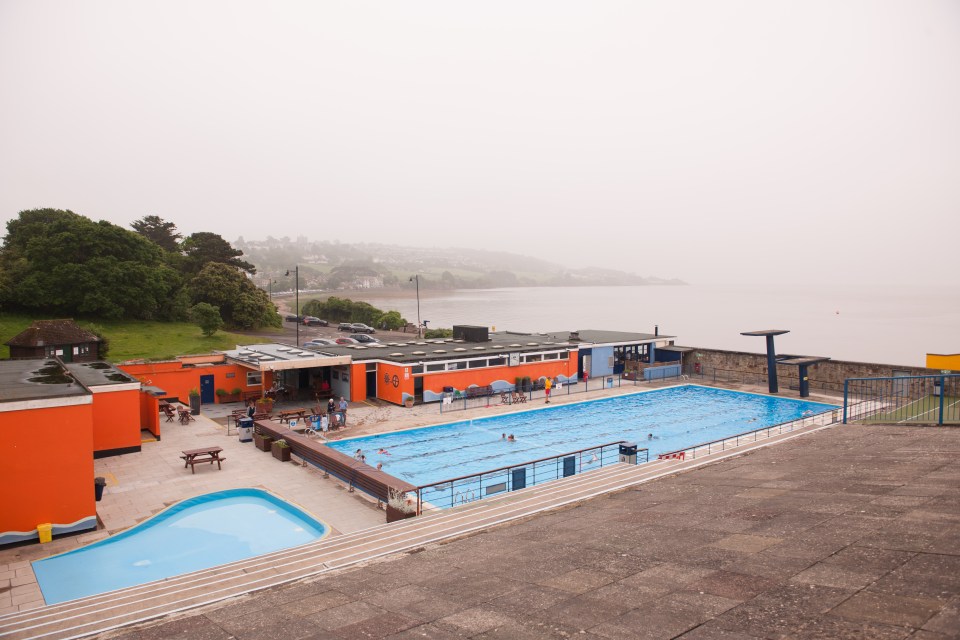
(476, 397)
(706, 448)
(903, 400)
(469, 488)
(701, 373)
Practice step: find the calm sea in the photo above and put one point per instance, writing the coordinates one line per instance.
(890, 325)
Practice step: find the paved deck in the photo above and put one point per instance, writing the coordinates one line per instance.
(846, 532)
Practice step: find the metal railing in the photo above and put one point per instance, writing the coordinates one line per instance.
(469, 488)
(902, 400)
(736, 376)
(722, 444)
(460, 401)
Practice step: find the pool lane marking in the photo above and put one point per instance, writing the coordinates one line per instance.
(515, 507)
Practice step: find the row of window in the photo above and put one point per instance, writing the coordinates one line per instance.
(496, 361)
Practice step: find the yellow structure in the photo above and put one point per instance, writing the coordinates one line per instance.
(943, 361)
(45, 531)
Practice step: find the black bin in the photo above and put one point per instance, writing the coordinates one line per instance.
(98, 485)
(628, 448)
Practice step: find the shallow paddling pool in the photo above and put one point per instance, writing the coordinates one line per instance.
(195, 534)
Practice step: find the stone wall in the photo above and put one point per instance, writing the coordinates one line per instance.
(827, 375)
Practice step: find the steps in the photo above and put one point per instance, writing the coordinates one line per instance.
(95, 614)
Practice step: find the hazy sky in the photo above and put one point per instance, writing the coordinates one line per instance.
(710, 141)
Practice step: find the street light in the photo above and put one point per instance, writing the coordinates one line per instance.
(296, 276)
(416, 279)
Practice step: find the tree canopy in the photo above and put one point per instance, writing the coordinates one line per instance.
(65, 263)
(159, 232)
(204, 247)
(241, 303)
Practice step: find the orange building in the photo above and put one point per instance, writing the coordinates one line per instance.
(55, 418)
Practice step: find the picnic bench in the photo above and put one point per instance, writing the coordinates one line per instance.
(193, 457)
(185, 415)
(285, 416)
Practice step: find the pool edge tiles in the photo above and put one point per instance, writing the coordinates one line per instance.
(93, 570)
(673, 417)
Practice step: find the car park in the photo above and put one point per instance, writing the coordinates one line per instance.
(363, 338)
(313, 321)
(345, 326)
(346, 340)
(359, 327)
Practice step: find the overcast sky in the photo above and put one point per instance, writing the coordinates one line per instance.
(709, 141)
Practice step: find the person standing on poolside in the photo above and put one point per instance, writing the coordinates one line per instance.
(331, 405)
(547, 384)
(343, 411)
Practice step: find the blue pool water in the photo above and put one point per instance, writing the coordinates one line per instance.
(198, 533)
(677, 417)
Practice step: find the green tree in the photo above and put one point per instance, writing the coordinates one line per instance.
(159, 232)
(207, 317)
(391, 320)
(204, 247)
(66, 264)
(241, 303)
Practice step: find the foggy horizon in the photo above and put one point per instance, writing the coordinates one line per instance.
(747, 142)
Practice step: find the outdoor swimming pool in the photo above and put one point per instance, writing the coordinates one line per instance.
(676, 417)
(198, 533)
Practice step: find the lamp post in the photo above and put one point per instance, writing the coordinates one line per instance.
(296, 280)
(416, 279)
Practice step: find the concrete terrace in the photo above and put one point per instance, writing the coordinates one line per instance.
(802, 513)
(846, 532)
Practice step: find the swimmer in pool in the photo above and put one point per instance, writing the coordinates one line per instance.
(510, 438)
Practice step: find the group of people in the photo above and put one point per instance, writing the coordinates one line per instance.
(508, 438)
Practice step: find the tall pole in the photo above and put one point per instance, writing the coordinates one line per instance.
(296, 279)
(419, 324)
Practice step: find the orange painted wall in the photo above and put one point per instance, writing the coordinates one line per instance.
(150, 413)
(387, 391)
(177, 381)
(463, 378)
(358, 382)
(46, 466)
(116, 420)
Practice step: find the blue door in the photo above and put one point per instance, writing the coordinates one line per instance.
(519, 479)
(206, 390)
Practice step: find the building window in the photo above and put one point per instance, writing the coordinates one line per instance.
(50, 351)
(437, 367)
(416, 368)
(497, 362)
(254, 378)
(476, 364)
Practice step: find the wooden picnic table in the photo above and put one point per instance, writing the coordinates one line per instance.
(193, 457)
(285, 416)
(185, 415)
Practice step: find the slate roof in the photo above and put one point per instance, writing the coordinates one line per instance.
(42, 333)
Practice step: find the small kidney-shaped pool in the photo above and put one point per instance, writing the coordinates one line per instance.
(199, 533)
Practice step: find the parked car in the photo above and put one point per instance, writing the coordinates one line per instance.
(345, 326)
(313, 321)
(346, 340)
(359, 327)
(319, 342)
(363, 338)
(290, 317)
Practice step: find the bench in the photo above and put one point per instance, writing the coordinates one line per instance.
(193, 457)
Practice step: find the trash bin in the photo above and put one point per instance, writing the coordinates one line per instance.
(610, 383)
(628, 452)
(98, 485)
(45, 531)
(245, 429)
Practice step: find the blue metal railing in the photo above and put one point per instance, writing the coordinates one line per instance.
(469, 488)
(706, 448)
(933, 399)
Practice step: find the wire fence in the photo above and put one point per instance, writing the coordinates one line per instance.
(903, 400)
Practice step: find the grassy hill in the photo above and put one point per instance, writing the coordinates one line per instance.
(136, 339)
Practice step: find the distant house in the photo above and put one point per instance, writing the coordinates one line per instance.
(49, 338)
